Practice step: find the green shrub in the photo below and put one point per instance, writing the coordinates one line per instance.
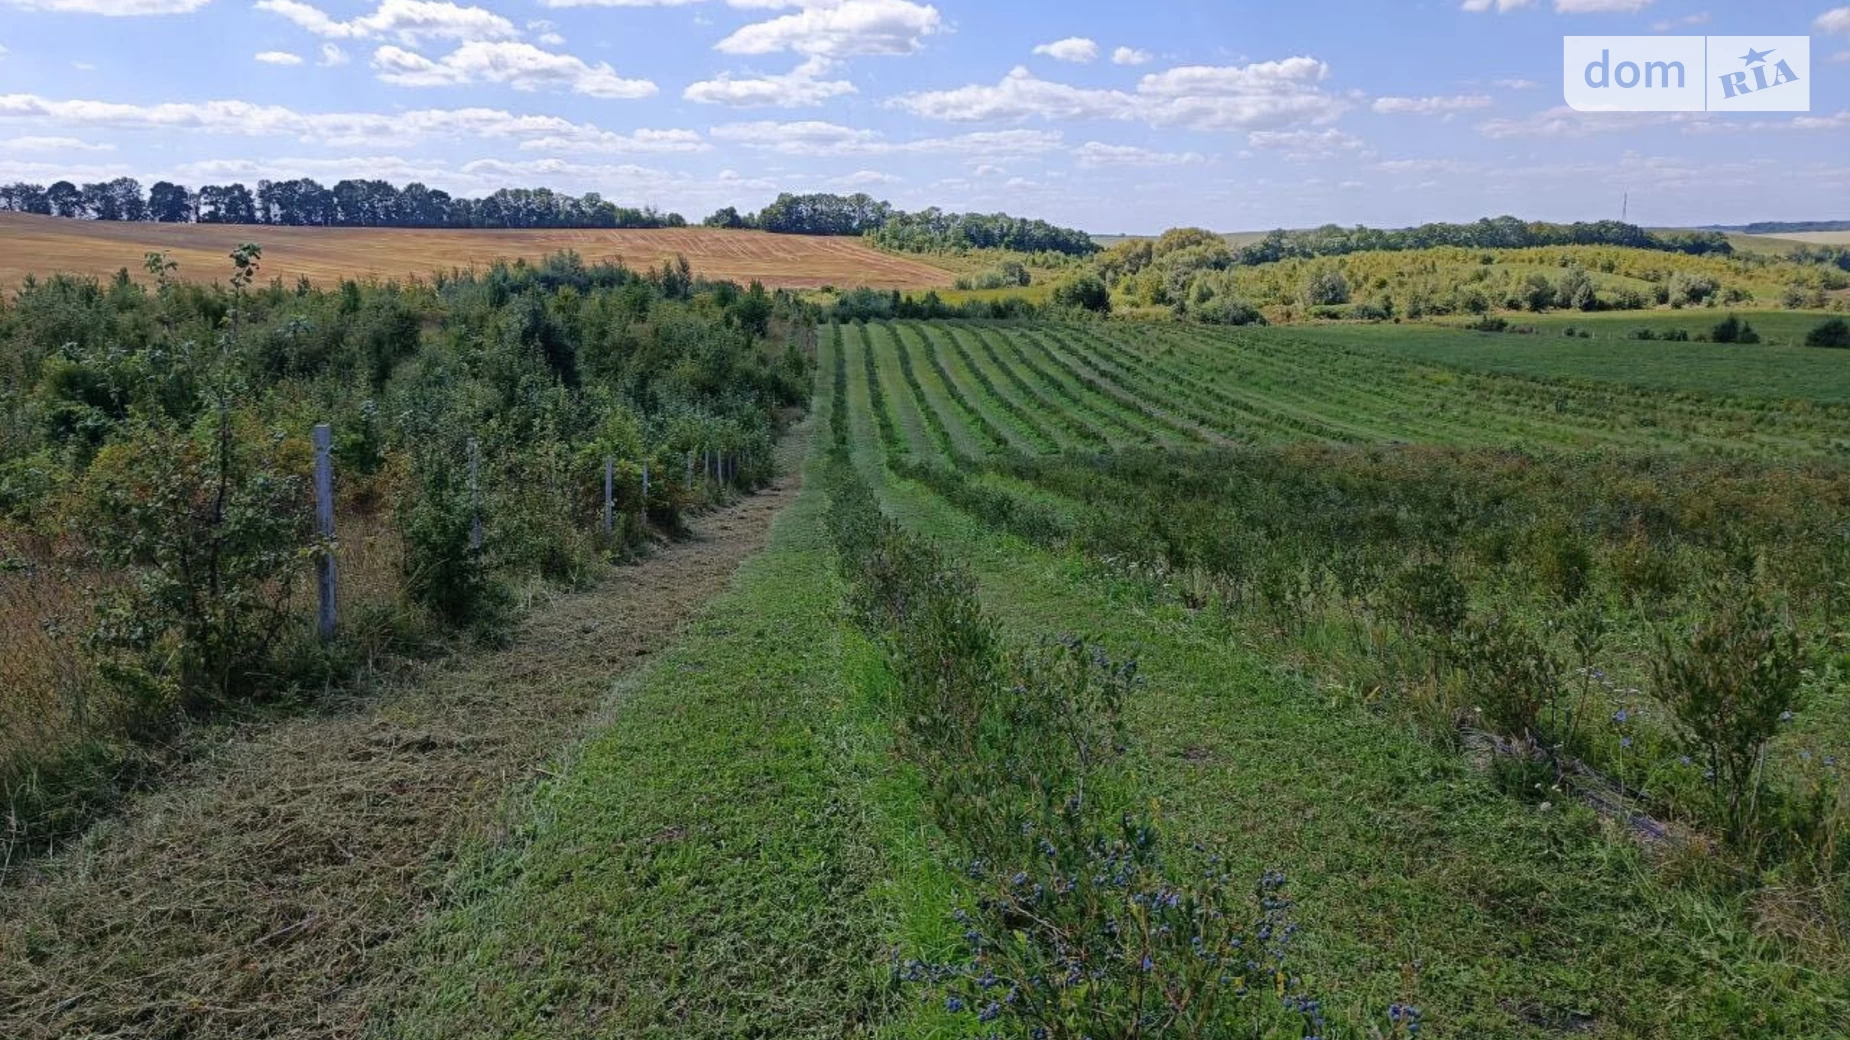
(209, 527)
(1833, 333)
(1730, 682)
(1733, 330)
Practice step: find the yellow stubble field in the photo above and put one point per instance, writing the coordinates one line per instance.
(45, 245)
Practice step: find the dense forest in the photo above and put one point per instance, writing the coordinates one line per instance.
(157, 547)
(307, 203)
(927, 231)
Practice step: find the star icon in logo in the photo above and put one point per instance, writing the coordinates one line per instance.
(1754, 57)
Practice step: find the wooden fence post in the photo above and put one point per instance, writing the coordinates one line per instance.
(324, 525)
(610, 487)
(475, 494)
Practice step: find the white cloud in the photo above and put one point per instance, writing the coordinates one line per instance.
(1836, 20)
(1076, 49)
(53, 144)
(332, 55)
(1130, 56)
(1601, 6)
(813, 138)
(1562, 121)
(411, 22)
(1426, 106)
(1262, 94)
(1563, 6)
(335, 129)
(111, 8)
(519, 65)
(1515, 84)
(548, 32)
(640, 141)
(279, 58)
(867, 179)
(1306, 145)
(801, 87)
(1097, 153)
(1667, 24)
(840, 29)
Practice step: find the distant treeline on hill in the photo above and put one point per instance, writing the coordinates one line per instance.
(927, 231)
(1489, 233)
(1784, 227)
(306, 203)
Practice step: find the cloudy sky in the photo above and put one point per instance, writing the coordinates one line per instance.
(1118, 116)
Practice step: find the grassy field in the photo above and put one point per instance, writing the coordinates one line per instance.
(759, 842)
(1418, 879)
(1112, 678)
(1777, 368)
(46, 245)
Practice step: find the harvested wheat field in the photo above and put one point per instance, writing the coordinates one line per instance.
(45, 245)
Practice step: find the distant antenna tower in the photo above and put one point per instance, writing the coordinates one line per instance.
(1625, 208)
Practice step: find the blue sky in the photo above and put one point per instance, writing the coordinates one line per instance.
(1108, 116)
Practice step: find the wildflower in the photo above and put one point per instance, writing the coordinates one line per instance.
(1625, 742)
(953, 1004)
(1621, 716)
(1785, 716)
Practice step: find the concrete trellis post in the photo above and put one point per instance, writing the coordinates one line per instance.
(690, 469)
(645, 492)
(324, 526)
(610, 487)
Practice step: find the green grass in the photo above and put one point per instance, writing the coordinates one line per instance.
(1417, 878)
(1776, 368)
(740, 853)
(1776, 328)
(734, 855)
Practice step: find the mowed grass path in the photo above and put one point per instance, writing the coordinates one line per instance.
(728, 858)
(1417, 879)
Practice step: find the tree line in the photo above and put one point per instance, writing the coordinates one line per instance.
(1488, 233)
(926, 231)
(304, 202)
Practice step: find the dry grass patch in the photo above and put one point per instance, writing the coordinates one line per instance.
(265, 891)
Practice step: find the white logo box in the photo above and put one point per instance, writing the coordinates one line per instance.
(1687, 73)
